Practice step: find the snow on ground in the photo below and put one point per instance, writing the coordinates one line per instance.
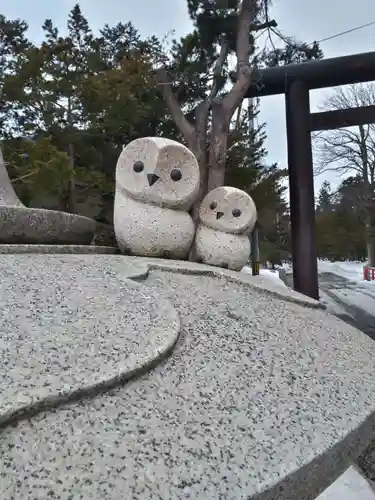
(352, 271)
(362, 298)
(332, 306)
(362, 295)
(267, 274)
(350, 486)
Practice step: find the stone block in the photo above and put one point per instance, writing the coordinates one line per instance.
(39, 226)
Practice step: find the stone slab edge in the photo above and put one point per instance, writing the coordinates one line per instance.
(93, 390)
(313, 478)
(59, 249)
(192, 268)
(52, 402)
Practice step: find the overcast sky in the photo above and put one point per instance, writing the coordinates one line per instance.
(307, 21)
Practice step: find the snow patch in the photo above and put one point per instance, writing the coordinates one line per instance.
(350, 486)
(352, 271)
(362, 299)
(267, 274)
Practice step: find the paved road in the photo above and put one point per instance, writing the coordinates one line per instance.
(328, 282)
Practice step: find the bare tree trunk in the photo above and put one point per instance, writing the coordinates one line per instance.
(201, 156)
(196, 142)
(218, 147)
(67, 197)
(213, 171)
(199, 150)
(71, 184)
(69, 194)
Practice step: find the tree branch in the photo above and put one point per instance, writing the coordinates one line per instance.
(186, 128)
(235, 96)
(263, 26)
(218, 68)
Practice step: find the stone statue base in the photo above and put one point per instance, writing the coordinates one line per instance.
(41, 226)
(52, 249)
(261, 393)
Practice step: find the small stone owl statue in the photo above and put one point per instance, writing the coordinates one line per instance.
(227, 215)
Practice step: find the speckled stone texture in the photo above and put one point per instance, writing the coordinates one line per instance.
(74, 324)
(229, 210)
(61, 249)
(138, 268)
(226, 215)
(157, 181)
(262, 398)
(40, 226)
(152, 231)
(216, 248)
(19, 224)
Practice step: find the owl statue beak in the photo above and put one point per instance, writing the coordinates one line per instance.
(219, 215)
(152, 178)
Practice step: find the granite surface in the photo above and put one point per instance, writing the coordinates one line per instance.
(40, 226)
(262, 398)
(227, 215)
(157, 182)
(73, 324)
(62, 249)
(260, 283)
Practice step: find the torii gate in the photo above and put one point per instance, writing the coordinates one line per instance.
(295, 81)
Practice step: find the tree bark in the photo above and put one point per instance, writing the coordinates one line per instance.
(69, 198)
(224, 109)
(199, 151)
(218, 147)
(67, 202)
(71, 184)
(213, 171)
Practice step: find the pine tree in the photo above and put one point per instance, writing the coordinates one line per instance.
(325, 195)
(208, 105)
(89, 95)
(201, 93)
(14, 47)
(341, 232)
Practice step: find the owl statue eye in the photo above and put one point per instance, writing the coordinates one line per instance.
(176, 175)
(213, 205)
(236, 212)
(138, 167)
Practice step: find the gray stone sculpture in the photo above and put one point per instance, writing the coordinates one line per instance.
(227, 215)
(157, 181)
(22, 225)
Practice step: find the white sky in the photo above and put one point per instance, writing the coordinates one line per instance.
(307, 21)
